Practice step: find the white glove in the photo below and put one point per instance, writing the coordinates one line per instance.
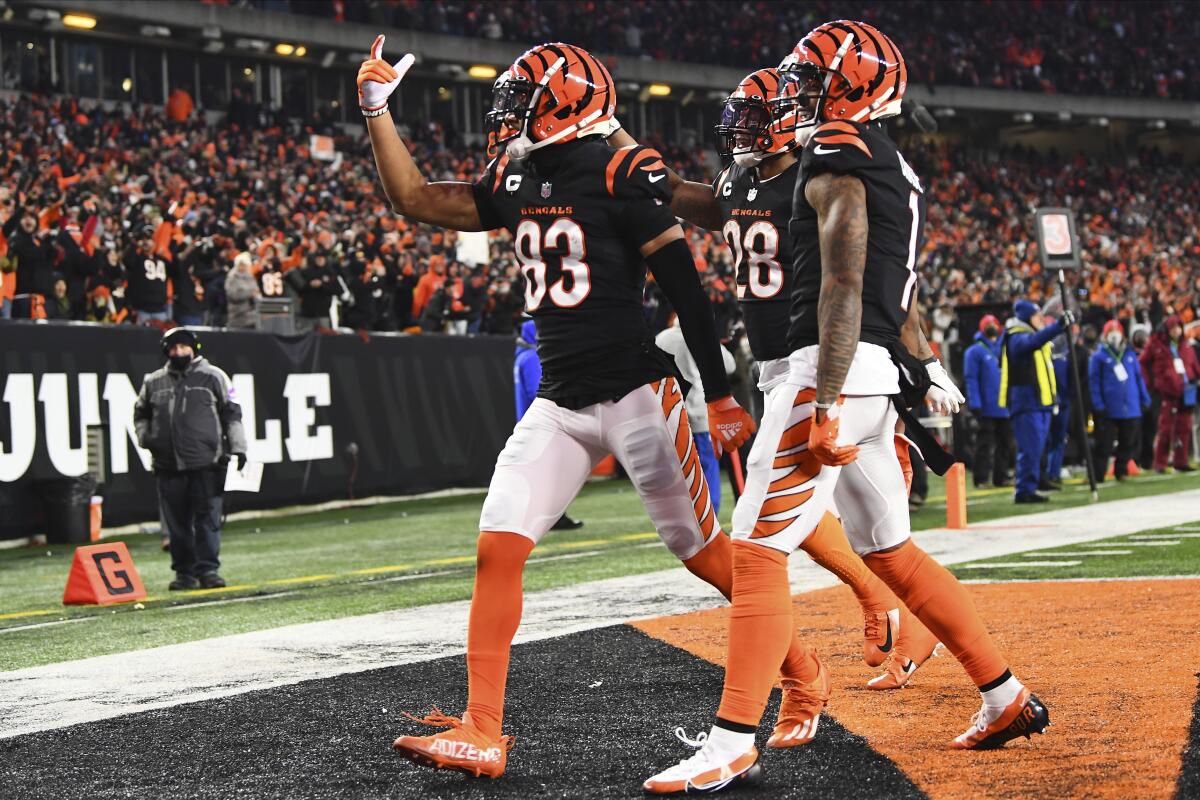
(605, 127)
(943, 396)
(377, 79)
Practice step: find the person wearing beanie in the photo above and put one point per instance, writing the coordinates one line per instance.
(242, 294)
(1119, 398)
(1060, 419)
(188, 417)
(981, 368)
(1173, 372)
(1028, 389)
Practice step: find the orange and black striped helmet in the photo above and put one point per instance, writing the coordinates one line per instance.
(746, 132)
(553, 93)
(842, 70)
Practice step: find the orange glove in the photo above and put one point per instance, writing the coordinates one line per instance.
(729, 425)
(822, 439)
(905, 457)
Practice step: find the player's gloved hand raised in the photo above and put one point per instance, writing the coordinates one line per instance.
(822, 438)
(729, 425)
(943, 397)
(377, 79)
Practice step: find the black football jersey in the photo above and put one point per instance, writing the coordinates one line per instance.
(895, 222)
(756, 216)
(578, 213)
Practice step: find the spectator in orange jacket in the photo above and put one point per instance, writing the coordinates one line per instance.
(179, 105)
(429, 283)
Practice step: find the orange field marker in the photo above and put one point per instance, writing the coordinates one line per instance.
(956, 497)
(102, 574)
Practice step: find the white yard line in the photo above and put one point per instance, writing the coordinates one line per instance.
(1151, 543)
(72, 692)
(1020, 564)
(1150, 537)
(1077, 553)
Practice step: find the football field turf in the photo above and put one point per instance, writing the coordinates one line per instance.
(1102, 627)
(306, 567)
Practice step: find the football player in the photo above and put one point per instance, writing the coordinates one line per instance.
(751, 203)
(587, 221)
(856, 225)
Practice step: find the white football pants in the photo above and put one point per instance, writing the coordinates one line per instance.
(553, 449)
(788, 490)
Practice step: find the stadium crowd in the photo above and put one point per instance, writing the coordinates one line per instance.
(1100, 47)
(116, 215)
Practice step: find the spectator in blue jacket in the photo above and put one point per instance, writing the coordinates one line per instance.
(1119, 398)
(527, 376)
(1060, 420)
(1028, 390)
(981, 368)
(527, 368)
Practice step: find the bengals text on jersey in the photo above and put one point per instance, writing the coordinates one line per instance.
(756, 214)
(578, 213)
(895, 221)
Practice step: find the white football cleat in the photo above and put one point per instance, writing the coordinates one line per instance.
(705, 773)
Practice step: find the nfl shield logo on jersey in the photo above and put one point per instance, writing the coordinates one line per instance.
(545, 190)
(753, 193)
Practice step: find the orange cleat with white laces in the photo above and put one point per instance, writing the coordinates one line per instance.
(800, 711)
(992, 728)
(881, 631)
(914, 646)
(461, 747)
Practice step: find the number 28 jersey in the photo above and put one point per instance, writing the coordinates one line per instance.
(895, 220)
(579, 213)
(756, 214)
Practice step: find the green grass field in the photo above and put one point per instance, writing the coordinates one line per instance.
(1139, 555)
(310, 567)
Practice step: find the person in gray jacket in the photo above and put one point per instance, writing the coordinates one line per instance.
(241, 294)
(187, 416)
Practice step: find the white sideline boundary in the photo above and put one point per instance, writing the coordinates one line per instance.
(73, 692)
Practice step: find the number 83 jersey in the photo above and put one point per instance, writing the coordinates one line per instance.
(756, 214)
(579, 213)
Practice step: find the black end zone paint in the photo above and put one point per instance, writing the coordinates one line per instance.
(593, 714)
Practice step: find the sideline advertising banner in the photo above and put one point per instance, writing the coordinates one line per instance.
(329, 417)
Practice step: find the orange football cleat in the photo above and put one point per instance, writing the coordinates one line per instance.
(705, 772)
(990, 730)
(800, 711)
(914, 646)
(881, 630)
(462, 747)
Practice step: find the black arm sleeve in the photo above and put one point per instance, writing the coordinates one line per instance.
(675, 272)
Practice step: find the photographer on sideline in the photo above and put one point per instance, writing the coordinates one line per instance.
(188, 418)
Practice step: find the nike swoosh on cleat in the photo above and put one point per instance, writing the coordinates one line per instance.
(886, 647)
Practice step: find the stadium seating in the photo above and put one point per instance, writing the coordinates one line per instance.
(1100, 48)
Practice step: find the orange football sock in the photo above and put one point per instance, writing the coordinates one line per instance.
(495, 615)
(827, 545)
(943, 604)
(714, 565)
(760, 628)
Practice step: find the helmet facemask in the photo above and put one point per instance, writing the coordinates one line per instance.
(744, 132)
(513, 101)
(804, 90)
